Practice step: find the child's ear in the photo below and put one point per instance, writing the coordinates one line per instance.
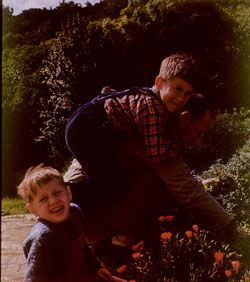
(158, 83)
(69, 193)
(30, 207)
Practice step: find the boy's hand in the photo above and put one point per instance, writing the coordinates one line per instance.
(104, 274)
(210, 180)
(107, 89)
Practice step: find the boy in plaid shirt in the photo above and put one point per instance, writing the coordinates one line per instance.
(94, 135)
(95, 128)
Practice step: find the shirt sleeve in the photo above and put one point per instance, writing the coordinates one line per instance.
(91, 259)
(151, 119)
(190, 193)
(159, 148)
(37, 251)
(146, 114)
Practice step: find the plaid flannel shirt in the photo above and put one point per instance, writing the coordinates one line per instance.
(145, 111)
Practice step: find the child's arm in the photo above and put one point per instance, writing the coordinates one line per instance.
(95, 265)
(39, 259)
(104, 274)
(117, 279)
(159, 148)
(145, 113)
(91, 259)
(190, 193)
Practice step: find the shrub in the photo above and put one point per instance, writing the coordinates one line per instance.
(233, 191)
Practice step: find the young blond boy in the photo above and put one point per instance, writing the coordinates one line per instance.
(56, 249)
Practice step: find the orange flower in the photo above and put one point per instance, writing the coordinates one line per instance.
(161, 218)
(228, 273)
(189, 234)
(195, 235)
(138, 247)
(166, 235)
(218, 256)
(169, 218)
(247, 279)
(121, 269)
(236, 265)
(131, 281)
(195, 228)
(136, 255)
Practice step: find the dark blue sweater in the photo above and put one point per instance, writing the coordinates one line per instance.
(47, 252)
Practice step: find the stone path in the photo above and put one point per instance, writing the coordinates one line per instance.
(14, 230)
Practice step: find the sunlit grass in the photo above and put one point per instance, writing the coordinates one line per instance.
(13, 206)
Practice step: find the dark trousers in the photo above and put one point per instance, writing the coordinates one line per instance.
(95, 146)
(125, 196)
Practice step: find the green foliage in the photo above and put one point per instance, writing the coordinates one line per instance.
(7, 19)
(233, 189)
(82, 52)
(37, 25)
(34, 26)
(115, 43)
(13, 206)
(104, 9)
(21, 91)
(239, 12)
(60, 72)
(228, 143)
(10, 40)
(21, 76)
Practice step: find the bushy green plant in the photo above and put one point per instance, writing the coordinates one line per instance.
(192, 255)
(233, 189)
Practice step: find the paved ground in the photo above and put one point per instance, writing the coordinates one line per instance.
(14, 230)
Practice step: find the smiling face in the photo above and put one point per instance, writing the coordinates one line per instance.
(51, 202)
(174, 93)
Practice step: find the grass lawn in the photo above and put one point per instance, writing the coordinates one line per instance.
(13, 206)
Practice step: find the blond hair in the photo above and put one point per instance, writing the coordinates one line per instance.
(182, 66)
(35, 177)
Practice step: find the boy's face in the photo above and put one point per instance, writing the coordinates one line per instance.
(174, 93)
(51, 202)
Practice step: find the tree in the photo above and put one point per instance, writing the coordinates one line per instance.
(21, 85)
(115, 43)
(80, 62)
(7, 14)
(60, 75)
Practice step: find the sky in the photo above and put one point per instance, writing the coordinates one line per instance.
(20, 5)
